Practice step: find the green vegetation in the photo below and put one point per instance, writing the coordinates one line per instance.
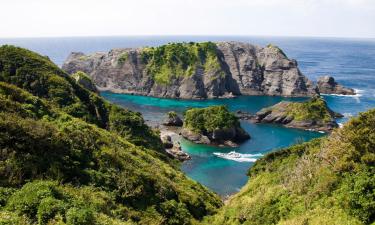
(69, 157)
(41, 78)
(81, 76)
(204, 120)
(122, 58)
(325, 181)
(172, 114)
(313, 109)
(175, 60)
(276, 49)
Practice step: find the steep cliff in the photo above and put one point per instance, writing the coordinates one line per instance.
(194, 70)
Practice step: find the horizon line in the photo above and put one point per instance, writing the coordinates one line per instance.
(187, 35)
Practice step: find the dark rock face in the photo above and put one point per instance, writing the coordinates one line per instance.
(172, 119)
(328, 85)
(229, 136)
(244, 69)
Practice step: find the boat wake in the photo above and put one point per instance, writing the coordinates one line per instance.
(238, 156)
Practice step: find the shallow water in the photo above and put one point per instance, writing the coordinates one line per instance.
(350, 61)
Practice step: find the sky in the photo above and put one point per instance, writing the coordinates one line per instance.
(313, 18)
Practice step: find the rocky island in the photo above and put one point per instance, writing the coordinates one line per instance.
(328, 85)
(313, 114)
(213, 125)
(194, 70)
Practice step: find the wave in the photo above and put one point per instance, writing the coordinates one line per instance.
(347, 115)
(235, 156)
(358, 93)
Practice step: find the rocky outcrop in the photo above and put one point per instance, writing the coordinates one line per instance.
(173, 148)
(328, 85)
(228, 137)
(213, 125)
(313, 114)
(231, 69)
(172, 119)
(84, 80)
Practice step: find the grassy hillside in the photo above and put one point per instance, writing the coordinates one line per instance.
(325, 181)
(69, 157)
(40, 77)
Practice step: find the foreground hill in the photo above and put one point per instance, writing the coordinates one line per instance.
(194, 70)
(69, 157)
(325, 181)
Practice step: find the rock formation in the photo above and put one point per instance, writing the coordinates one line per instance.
(313, 114)
(194, 71)
(172, 119)
(328, 85)
(213, 125)
(84, 80)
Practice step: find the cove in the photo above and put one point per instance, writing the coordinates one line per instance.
(223, 176)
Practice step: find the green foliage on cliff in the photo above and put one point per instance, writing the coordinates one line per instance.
(203, 120)
(83, 166)
(175, 60)
(313, 109)
(325, 181)
(276, 49)
(81, 76)
(40, 77)
(122, 58)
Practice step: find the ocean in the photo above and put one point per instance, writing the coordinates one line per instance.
(350, 61)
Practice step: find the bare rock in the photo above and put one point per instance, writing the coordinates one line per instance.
(328, 85)
(172, 119)
(244, 69)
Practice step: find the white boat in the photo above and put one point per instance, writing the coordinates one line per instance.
(231, 154)
(238, 156)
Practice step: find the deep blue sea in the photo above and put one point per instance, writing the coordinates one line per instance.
(350, 61)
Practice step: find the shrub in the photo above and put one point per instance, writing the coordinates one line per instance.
(28, 198)
(48, 208)
(175, 212)
(79, 216)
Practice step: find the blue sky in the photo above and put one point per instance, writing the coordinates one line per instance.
(321, 18)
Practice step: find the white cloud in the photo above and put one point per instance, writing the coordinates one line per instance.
(353, 18)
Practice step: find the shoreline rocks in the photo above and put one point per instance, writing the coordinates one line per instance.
(328, 85)
(229, 69)
(173, 148)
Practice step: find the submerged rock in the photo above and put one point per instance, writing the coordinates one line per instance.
(223, 69)
(313, 114)
(328, 85)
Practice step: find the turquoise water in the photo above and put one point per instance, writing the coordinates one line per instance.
(221, 175)
(350, 61)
